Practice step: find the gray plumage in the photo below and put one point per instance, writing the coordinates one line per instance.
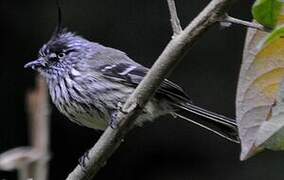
(87, 82)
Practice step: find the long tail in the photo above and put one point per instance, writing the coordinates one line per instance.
(218, 124)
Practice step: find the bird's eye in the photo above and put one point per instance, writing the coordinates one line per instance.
(61, 55)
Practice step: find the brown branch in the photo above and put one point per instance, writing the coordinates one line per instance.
(172, 54)
(38, 108)
(174, 18)
(31, 162)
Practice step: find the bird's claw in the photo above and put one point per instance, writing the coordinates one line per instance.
(113, 123)
(120, 108)
(114, 117)
(82, 159)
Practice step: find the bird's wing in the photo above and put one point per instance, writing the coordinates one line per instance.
(132, 74)
(116, 64)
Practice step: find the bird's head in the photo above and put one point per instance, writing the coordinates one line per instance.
(61, 53)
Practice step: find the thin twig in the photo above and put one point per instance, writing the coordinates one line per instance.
(253, 25)
(172, 54)
(174, 18)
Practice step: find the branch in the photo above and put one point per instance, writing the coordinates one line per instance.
(38, 107)
(19, 158)
(31, 162)
(229, 19)
(172, 54)
(174, 18)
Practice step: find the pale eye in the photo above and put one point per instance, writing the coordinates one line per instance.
(61, 55)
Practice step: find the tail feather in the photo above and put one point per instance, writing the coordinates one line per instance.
(218, 124)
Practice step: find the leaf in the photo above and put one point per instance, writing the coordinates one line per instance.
(258, 98)
(276, 34)
(271, 133)
(266, 12)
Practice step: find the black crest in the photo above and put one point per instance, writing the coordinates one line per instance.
(59, 28)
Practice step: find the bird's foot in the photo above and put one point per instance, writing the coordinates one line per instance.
(113, 122)
(120, 108)
(114, 117)
(82, 159)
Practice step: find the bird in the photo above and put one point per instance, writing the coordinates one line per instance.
(89, 82)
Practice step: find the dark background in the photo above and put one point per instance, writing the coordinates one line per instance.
(168, 149)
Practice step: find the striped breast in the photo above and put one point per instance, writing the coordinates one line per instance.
(74, 99)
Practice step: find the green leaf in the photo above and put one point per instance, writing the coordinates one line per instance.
(274, 35)
(266, 12)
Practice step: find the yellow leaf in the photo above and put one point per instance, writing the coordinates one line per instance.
(261, 74)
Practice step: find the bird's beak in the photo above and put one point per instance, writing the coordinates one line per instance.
(36, 64)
